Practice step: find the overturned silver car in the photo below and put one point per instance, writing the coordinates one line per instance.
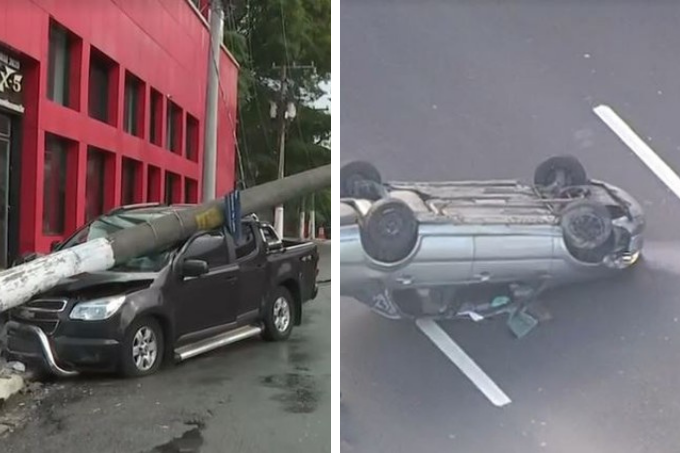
(448, 249)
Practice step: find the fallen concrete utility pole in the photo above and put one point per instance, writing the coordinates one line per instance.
(19, 284)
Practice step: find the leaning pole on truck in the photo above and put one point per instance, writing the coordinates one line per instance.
(19, 284)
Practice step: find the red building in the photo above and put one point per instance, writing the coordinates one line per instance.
(102, 104)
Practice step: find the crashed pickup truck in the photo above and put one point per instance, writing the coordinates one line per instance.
(451, 249)
(174, 304)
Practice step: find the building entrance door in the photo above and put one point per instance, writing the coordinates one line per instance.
(5, 136)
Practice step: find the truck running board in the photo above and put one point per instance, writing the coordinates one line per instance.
(209, 344)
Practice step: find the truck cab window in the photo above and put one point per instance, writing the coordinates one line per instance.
(247, 244)
(210, 247)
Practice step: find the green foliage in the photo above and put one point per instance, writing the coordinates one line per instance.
(263, 35)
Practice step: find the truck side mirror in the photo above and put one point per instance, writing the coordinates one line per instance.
(193, 268)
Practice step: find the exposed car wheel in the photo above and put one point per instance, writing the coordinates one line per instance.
(279, 316)
(143, 348)
(389, 231)
(559, 172)
(588, 231)
(359, 179)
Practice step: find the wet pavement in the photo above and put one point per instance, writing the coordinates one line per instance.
(480, 90)
(249, 397)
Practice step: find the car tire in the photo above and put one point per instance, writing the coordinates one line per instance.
(559, 172)
(360, 179)
(137, 356)
(389, 231)
(279, 315)
(587, 229)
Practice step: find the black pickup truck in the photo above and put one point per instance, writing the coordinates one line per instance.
(174, 304)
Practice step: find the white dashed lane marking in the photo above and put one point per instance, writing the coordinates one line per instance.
(469, 368)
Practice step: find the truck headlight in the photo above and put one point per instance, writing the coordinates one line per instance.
(98, 309)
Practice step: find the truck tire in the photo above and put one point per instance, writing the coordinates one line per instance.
(359, 179)
(279, 315)
(587, 229)
(559, 172)
(143, 348)
(389, 231)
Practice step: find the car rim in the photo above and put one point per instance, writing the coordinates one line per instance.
(391, 223)
(588, 228)
(144, 349)
(281, 314)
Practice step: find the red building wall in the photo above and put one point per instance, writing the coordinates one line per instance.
(162, 42)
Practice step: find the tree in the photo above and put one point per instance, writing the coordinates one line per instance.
(264, 35)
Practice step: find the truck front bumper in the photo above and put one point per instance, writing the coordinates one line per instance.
(62, 356)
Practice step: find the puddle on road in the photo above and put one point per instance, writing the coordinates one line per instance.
(299, 393)
(189, 442)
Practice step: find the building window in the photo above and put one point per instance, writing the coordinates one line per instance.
(59, 65)
(156, 117)
(94, 196)
(130, 182)
(153, 184)
(190, 191)
(171, 188)
(100, 88)
(192, 138)
(54, 188)
(173, 127)
(134, 105)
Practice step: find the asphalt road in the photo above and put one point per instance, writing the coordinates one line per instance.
(487, 89)
(249, 397)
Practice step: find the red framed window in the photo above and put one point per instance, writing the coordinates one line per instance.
(191, 145)
(63, 66)
(172, 188)
(153, 184)
(133, 112)
(103, 88)
(173, 128)
(190, 190)
(55, 176)
(156, 118)
(130, 185)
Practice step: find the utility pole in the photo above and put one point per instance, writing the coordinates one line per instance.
(211, 100)
(284, 111)
(312, 219)
(303, 218)
(279, 218)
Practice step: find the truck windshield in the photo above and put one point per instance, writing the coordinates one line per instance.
(109, 224)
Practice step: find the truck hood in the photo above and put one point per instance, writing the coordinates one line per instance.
(94, 280)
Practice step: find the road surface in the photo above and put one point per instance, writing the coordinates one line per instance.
(251, 397)
(459, 89)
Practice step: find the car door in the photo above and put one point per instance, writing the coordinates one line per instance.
(251, 257)
(512, 254)
(204, 304)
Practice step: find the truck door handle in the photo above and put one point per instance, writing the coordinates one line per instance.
(405, 280)
(483, 276)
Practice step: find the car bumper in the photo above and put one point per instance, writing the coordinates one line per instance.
(62, 356)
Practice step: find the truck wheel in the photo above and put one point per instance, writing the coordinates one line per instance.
(359, 179)
(143, 348)
(587, 229)
(279, 316)
(389, 231)
(559, 172)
